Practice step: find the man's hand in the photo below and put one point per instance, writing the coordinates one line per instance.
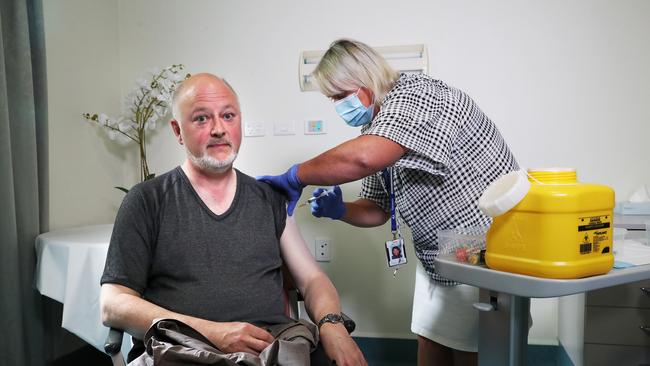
(288, 183)
(236, 336)
(331, 205)
(339, 346)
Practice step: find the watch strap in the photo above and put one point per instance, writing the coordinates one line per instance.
(331, 318)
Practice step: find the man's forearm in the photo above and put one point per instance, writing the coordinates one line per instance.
(321, 298)
(123, 308)
(135, 315)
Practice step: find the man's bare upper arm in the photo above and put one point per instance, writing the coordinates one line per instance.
(297, 256)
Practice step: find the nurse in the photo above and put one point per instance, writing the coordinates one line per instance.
(426, 153)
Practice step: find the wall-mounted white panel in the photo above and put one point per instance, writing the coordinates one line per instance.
(406, 58)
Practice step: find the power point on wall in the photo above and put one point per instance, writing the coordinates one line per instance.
(323, 249)
(254, 129)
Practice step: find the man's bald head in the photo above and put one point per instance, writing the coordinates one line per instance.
(188, 85)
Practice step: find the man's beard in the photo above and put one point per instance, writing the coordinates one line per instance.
(210, 164)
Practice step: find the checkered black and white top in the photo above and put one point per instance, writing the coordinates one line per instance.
(454, 153)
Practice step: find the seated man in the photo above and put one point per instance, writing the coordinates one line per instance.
(205, 243)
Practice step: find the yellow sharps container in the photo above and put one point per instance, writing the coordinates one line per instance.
(559, 229)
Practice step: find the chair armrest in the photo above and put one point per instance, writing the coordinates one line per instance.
(113, 342)
(349, 324)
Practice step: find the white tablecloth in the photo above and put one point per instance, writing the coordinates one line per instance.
(70, 265)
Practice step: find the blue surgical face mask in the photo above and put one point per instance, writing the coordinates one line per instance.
(353, 112)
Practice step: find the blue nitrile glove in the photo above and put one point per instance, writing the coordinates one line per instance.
(288, 183)
(330, 205)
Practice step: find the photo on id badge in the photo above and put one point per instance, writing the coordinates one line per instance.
(395, 252)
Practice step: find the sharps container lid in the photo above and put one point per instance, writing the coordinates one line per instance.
(504, 193)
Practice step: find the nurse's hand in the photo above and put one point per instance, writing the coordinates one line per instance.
(288, 183)
(330, 205)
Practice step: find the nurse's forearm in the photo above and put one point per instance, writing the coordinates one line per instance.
(350, 161)
(364, 213)
(336, 166)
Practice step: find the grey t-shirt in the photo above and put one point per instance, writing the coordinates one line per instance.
(172, 249)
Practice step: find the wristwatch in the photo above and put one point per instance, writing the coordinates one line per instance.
(331, 318)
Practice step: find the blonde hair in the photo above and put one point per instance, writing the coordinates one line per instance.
(348, 65)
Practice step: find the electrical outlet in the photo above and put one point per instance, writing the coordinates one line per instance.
(323, 249)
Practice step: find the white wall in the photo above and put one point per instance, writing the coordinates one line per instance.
(82, 76)
(565, 81)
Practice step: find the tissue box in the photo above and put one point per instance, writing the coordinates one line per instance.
(632, 208)
(467, 244)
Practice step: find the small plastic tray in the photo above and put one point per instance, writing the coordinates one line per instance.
(632, 208)
(467, 244)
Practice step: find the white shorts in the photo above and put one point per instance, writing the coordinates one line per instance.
(444, 314)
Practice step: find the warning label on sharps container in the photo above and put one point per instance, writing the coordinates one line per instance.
(592, 232)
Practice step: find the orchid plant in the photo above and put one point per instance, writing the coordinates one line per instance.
(147, 103)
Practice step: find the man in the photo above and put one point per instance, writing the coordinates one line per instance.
(204, 243)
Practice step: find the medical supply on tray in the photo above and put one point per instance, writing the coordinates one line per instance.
(637, 204)
(617, 243)
(467, 244)
(561, 228)
(632, 252)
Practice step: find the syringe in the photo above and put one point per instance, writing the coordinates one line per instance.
(312, 199)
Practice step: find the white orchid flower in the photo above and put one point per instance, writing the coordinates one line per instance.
(143, 106)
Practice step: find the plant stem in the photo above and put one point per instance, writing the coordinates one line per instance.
(144, 167)
(120, 131)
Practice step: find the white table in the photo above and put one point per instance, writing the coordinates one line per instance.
(70, 265)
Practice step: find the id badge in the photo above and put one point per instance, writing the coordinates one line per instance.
(395, 252)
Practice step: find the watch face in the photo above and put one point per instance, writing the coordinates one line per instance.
(335, 318)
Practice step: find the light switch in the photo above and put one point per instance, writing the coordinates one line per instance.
(283, 128)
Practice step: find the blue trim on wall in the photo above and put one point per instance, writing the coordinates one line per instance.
(563, 358)
(388, 351)
(541, 355)
(403, 352)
